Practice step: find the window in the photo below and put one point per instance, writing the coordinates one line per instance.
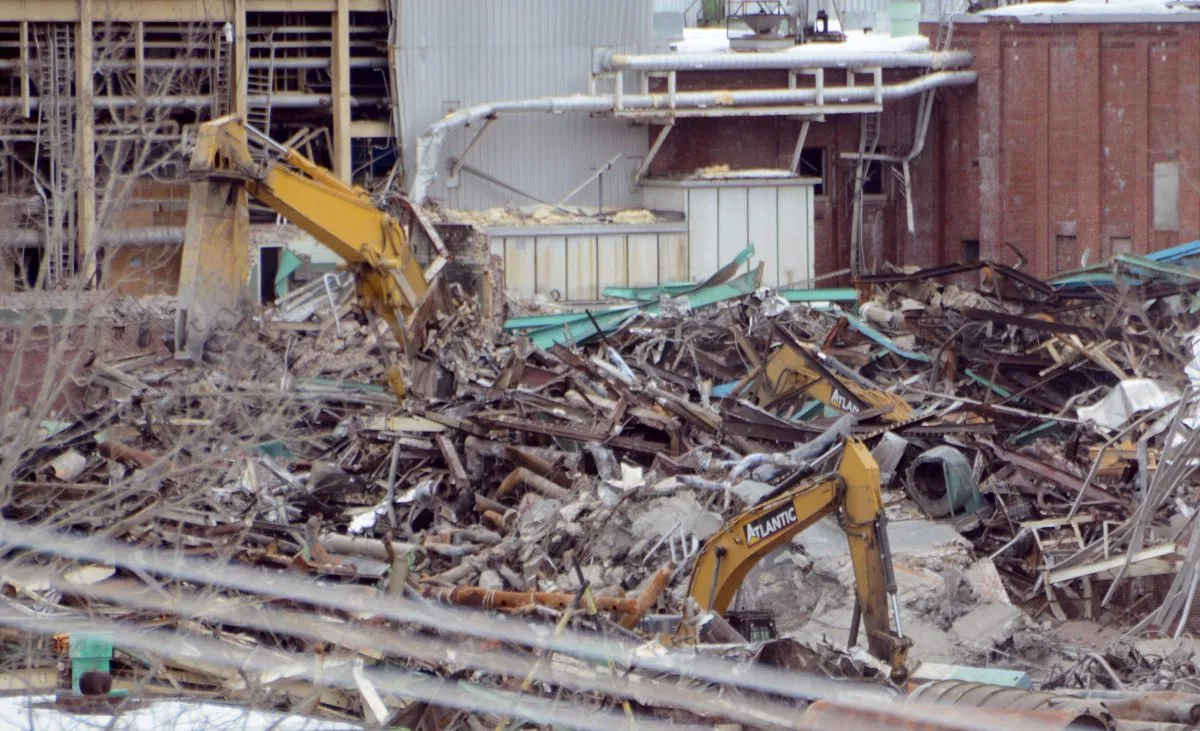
(970, 250)
(812, 165)
(1166, 196)
(1065, 254)
(873, 176)
(1121, 245)
(268, 269)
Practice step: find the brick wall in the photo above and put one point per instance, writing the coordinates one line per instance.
(142, 270)
(768, 142)
(34, 367)
(1054, 150)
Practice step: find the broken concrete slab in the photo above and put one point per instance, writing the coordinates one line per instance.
(752, 492)
(907, 538)
(987, 626)
(679, 512)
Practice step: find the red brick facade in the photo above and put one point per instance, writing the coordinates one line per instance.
(1054, 150)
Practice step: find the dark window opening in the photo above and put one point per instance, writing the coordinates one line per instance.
(372, 158)
(268, 269)
(873, 176)
(970, 250)
(812, 165)
(29, 265)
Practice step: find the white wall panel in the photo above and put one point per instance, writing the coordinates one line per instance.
(703, 240)
(663, 198)
(795, 234)
(581, 268)
(520, 267)
(763, 215)
(552, 266)
(612, 269)
(733, 225)
(643, 260)
(672, 258)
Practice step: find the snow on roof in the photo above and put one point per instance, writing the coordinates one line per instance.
(1074, 9)
(714, 40)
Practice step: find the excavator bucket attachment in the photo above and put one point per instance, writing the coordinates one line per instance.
(215, 268)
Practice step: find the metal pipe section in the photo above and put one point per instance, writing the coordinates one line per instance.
(797, 59)
(149, 236)
(967, 694)
(429, 144)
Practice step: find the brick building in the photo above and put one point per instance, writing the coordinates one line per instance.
(1082, 133)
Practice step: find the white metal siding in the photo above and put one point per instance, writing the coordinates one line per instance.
(690, 9)
(703, 238)
(457, 53)
(795, 241)
(581, 267)
(857, 14)
(612, 262)
(672, 258)
(520, 258)
(776, 219)
(764, 229)
(733, 222)
(643, 260)
(578, 268)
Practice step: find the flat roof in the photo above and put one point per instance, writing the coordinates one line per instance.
(1093, 11)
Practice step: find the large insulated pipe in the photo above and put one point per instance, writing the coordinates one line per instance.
(967, 694)
(429, 144)
(798, 59)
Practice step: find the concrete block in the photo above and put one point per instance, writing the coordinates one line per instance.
(987, 626)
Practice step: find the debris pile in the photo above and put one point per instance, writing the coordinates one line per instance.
(1034, 442)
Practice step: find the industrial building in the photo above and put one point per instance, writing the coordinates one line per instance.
(864, 144)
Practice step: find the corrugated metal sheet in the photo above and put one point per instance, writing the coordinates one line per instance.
(457, 53)
(858, 14)
(577, 268)
(689, 8)
(722, 220)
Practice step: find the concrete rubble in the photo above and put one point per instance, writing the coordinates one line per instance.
(570, 470)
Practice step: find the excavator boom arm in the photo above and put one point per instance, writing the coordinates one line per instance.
(728, 556)
(390, 281)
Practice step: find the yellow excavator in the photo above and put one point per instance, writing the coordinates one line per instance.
(796, 369)
(853, 494)
(389, 281)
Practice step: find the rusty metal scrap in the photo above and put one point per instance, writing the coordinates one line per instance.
(573, 484)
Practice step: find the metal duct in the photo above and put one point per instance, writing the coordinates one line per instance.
(148, 236)
(801, 59)
(429, 144)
